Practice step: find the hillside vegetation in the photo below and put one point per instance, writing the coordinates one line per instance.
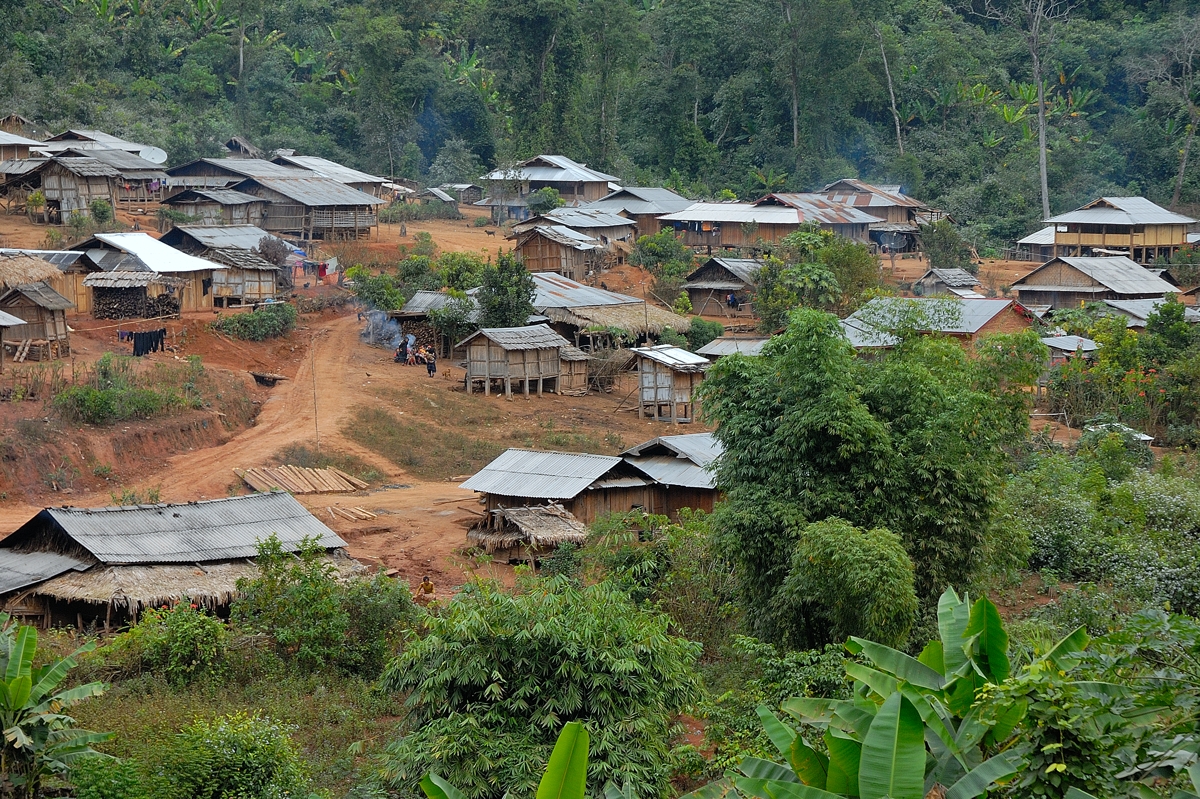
(702, 95)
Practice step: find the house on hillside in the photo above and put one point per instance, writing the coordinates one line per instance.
(899, 216)
(668, 377)
(69, 184)
(643, 205)
(68, 281)
(98, 140)
(367, 184)
(681, 467)
(710, 287)
(508, 190)
(223, 173)
(1123, 226)
(218, 206)
(44, 336)
(249, 278)
(731, 345)
(767, 220)
(465, 193)
(615, 233)
(528, 356)
(526, 534)
(435, 197)
(313, 207)
(14, 147)
(1068, 281)
(1137, 312)
(586, 316)
(1039, 245)
(586, 486)
(102, 567)
(964, 319)
(138, 180)
(191, 283)
(558, 249)
(956, 282)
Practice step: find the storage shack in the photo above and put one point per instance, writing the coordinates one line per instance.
(524, 355)
(45, 335)
(133, 295)
(522, 535)
(710, 286)
(69, 184)
(218, 207)
(681, 467)
(195, 275)
(955, 282)
(667, 380)
(558, 249)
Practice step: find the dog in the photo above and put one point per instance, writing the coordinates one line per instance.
(490, 232)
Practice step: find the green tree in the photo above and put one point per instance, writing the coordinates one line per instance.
(39, 738)
(375, 291)
(545, 200)
(455, 163)
(455, 319)
(497, 672)
(506, 294)
(945, 248)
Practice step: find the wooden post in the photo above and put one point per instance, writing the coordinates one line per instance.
(487, 373)
(641, 399)
(525, 372)
(507, 385)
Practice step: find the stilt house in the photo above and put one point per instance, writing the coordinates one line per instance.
(45, 335)
(218, 206)
(667, 380)
(527, 356)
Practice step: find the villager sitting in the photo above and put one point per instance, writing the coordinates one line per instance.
(425, 590)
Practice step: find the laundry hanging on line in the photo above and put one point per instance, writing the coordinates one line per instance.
(149, 341)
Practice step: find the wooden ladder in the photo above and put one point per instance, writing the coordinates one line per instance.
(23, 350)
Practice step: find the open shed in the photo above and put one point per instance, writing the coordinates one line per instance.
(667, 381)
(524, 355)
(44, 336)
(524, 534)
(710, 286)
(133, 295)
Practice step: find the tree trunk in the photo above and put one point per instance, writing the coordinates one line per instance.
(1183, 158)
(891, 91)
(794, 75)
(1041, 121)
(241, 49)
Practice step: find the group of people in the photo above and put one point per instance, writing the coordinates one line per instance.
(413, 356)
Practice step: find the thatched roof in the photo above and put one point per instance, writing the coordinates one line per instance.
(534, 527)
(18, 270)
(132, 589)
(636, 317)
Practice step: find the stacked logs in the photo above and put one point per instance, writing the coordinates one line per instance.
(355, 514)
(427, 335)
(131, 303)
(299, 480)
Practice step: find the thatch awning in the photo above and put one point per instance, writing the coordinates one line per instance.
(536, 527)
(19, 270)
(636, 317)
(132, 589)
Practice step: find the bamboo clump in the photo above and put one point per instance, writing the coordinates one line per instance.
(300, 480)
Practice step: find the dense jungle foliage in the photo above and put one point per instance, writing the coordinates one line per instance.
(706, 96)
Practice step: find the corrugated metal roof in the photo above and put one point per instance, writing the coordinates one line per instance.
(1043, 237)
(313, 191)
(973, 313)
(248, 167)
(221, 196)
(551, 168)
(59, 258)
(864, 336)
(730, 345)
(425, 301)
(8, 320)
(1118, 273)
(1122, 211)
(123, 280)
(441, 195)
(744, 269)
(533, 337)
(330, 169)
(561, 235)
(98, 139)
(1139, 311)
(1070, 343)
(700, 448)
(154, 254)
(549, 475)
(953, 277)
(130, 165)
(819, 208)
(209, 530)
(556, 291)
(856, 192)
(243, 237)
(670, 470)
(735, 213)
(81, 166)
(242, 259)
(587, 217)
(42, 295)
(115, 261)
(679, 359)
(12, 138)
(640, 201)
(20, 166)
(21, 569)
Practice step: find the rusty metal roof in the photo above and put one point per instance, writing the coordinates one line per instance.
(195, 532)
(859, 193)
(21, 569)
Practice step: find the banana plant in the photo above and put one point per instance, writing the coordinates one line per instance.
(565, 776)
(38, 737)
(911, 726)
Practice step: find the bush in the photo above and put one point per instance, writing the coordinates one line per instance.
(269, 321)
(415, 212)
(108, 778)
(481, 221)
(498, 674)
(102, 211)
(236, 756)
(318, 621)
(182, 643)
(702, 332)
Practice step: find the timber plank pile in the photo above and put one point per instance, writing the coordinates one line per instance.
(300, 480)
(355, 514)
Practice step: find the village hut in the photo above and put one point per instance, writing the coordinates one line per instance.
(955, 282)
(249, 279)
(730, 345)
(681, 467)
(709, 287)
(558, 249)
(45, 335)
(1064, 347)
(368, 184)
(766, 221)
(587, 316)
(606, 239)
(967, 320)
(1138, 312)
(1128, 226)
(138, 180)
(899, 217)
(217, 207)
(240, 147)
(104, 566)
(69, 184)
(15, 123)
(1039, 245)
(508, 190)
(192, 281)
(525, 534)
(435, 196)
(573, 378)
(584, 485)
(14, 147)
(1068, 281)
(79, 140)
(667, 380)
(466, 193)
(71, 267)
(313, 207)
(524, 355)
(865, 337)
(642, 204)
(224, 173)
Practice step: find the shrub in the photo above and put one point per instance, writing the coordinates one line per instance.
(481, 221)
(318, 621)
(248, 757)
(498, 674)
(108, 778)
(182, 643)
(102, 211)
(375, 291)
(269, 321)
(703, 331)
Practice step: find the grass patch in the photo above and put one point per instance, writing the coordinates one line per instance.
(423, 449)
(308, 458)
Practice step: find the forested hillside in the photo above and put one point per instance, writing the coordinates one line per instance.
(702, 94)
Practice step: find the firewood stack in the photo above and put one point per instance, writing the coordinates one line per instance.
(131, 304)
(426, 335)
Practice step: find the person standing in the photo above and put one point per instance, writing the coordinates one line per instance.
(431, 363)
